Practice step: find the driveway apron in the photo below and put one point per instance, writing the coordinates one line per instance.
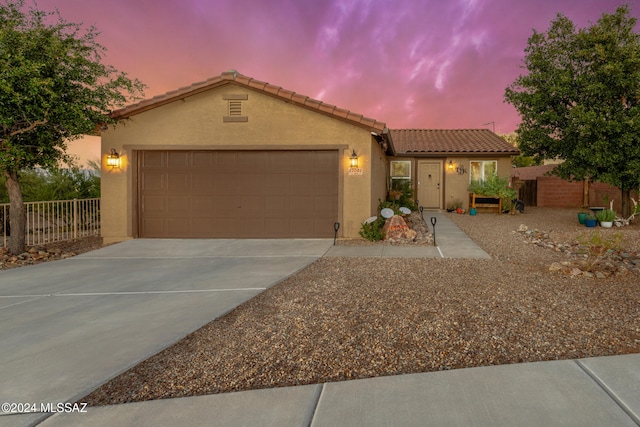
(66, 327)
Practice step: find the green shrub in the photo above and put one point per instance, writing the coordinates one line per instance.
(606, 215)
(372, 231)
(597, 247)
(56, 184)
(394, 205)
(494, 186)
(406, 194)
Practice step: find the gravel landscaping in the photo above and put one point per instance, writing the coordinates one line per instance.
(348, 318)
(49, 252)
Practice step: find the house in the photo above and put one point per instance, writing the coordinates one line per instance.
(234, 157)
(440, 163)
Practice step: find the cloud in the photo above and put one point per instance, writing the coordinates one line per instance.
(428, 63)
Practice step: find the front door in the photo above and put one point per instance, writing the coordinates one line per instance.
(430, 184)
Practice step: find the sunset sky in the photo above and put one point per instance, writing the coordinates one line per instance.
(408, 63)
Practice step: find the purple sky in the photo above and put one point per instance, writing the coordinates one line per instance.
(408, 63)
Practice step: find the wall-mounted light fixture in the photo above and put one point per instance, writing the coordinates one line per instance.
(353, 160)
(113, 159)
(450, 166)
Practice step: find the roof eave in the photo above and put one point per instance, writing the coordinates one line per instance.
(232, 77)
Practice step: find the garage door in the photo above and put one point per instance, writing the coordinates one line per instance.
(237, 194)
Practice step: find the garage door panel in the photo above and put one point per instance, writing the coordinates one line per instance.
(154, 205)
(276, 184)
(154, 181)
(323, 207)
(206, 226)
(301, 207)
(202, 206)
(251, 207)
(178, 225)
(302, 184)
(277, 163)
(178, 159)
(323, 226)
(226, 162)
(276, 228)
(300, 227)
(226, 208)
(324, 161)
(325, 185)
(252, 228)
(177, 205)
(225, 184)
(201, 183)
(252, 184)
(226, 227)
(154, 227)
(276, 207)
(178, 183)
(154, 159)
(238, 194)
(253, 161)
(202, 159)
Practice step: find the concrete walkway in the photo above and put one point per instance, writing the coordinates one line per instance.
(102, 312)
(590, 392)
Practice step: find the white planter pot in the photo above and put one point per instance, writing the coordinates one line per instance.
(606, 224)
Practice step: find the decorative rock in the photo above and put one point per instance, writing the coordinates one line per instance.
(575, 272)
(556, 266)
(396, 229)
(609, 263)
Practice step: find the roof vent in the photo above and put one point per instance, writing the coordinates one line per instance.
(235, 108)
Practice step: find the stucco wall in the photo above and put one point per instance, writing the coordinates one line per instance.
(197, 122)
(380, 177)
(456, 184)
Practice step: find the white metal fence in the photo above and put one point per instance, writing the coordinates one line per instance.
(60, 220)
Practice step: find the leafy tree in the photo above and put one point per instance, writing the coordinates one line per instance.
(55, 184)
(580, 100)
(521, 160)
(53, 88)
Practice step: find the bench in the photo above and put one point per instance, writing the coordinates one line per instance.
(480, 201)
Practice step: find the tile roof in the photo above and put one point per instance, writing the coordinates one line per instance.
(449, 141)
(233, 77)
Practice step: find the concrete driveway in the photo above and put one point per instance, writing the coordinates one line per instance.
(66, 327)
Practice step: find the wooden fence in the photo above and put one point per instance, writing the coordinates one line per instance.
(55, 221)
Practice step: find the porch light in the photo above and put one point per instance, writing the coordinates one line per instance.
(113, 159)
(353, 160)
(450, 166)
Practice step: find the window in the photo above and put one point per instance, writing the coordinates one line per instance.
(483, 169)
(400, 174)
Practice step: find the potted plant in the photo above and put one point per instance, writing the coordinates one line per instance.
(606, 217)
(582, 216)
(590, 221)
(454, 205)
(395, 194)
